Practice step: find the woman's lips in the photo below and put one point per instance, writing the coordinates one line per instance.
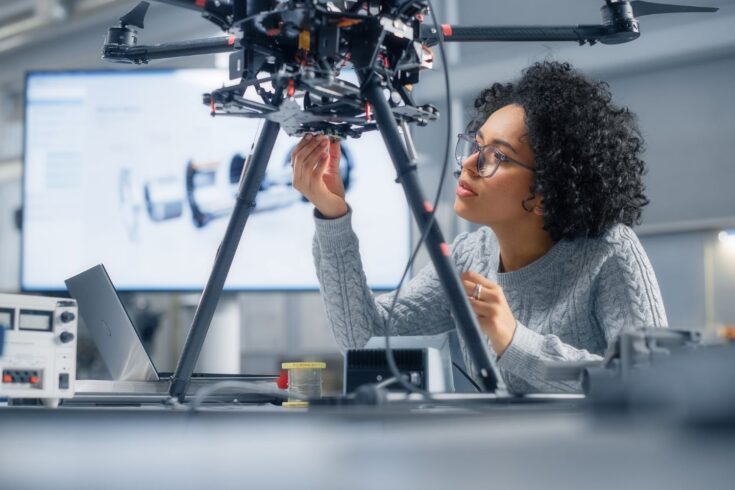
(464, 191)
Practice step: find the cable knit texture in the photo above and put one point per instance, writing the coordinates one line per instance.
(569, 304)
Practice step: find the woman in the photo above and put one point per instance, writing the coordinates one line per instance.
(551, 168)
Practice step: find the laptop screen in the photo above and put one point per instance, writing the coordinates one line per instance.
(110, 326)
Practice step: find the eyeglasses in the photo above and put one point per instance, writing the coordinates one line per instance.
(489, 158)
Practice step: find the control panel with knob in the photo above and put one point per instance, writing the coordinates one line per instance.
(67, 316)
(39, 360)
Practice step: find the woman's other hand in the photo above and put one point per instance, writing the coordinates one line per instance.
(493, 312)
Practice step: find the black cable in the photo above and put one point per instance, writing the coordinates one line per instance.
(247, 387)
(371, 65)
(390, 358)
(469, 378)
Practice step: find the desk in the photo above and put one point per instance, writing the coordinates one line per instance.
(498, 446)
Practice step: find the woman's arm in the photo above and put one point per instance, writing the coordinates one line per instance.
(353, 312)
(527, 354)
(625, 295)
(626, 292)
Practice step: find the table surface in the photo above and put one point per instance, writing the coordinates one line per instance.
(563, 444)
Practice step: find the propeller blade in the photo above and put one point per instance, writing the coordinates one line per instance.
(135, 17)
(641, 8)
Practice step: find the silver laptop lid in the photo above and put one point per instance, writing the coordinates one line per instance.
(110, 326)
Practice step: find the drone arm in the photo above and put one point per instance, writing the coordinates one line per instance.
(188, 4)
(143, 53)
(450, 33)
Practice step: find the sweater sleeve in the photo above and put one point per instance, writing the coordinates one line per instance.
(626, 291)
(625, 295)
(354, 313)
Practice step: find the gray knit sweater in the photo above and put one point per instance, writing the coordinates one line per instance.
(569, 304)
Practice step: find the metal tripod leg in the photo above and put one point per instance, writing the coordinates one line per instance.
(245, 201)
(437, 248)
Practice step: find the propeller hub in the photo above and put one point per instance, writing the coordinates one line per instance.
(619, 19)
(122, 36)
(116, 44)
(615, 12)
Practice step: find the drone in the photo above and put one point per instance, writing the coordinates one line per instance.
(303, 45)
(291, 54)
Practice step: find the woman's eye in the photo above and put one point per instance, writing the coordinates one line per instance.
(500, 157)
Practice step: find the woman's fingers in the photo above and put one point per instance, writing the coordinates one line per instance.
(304, 146)
(478, 279)
(296, 158)
(488, 293)
(469, 287)
(305, 141)
(314, 173)
(482, 310)
(304, 157)
(312, 163)
(312, 153)
(318, 168)
(335, 152)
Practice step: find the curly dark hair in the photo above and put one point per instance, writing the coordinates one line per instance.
(589, 170)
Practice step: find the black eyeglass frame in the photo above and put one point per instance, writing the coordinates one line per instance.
(471, 138)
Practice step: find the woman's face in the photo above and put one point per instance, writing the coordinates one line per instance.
(497, 200)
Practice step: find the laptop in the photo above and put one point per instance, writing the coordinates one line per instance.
(110, 326)
(115, 335)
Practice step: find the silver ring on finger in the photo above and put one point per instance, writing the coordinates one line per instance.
(478, 290)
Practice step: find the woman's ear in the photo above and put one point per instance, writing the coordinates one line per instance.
(538, 208)
(534, 204)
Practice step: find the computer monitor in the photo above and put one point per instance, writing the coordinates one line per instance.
(128, 168)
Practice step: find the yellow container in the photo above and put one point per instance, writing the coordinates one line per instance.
(304, 381)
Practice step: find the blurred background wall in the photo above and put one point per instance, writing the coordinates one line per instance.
(678, 77)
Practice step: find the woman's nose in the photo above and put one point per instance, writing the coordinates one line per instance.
(470, 163)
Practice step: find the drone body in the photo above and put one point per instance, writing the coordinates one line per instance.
(300, 48)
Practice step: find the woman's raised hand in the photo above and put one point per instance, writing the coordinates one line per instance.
(315, 162)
